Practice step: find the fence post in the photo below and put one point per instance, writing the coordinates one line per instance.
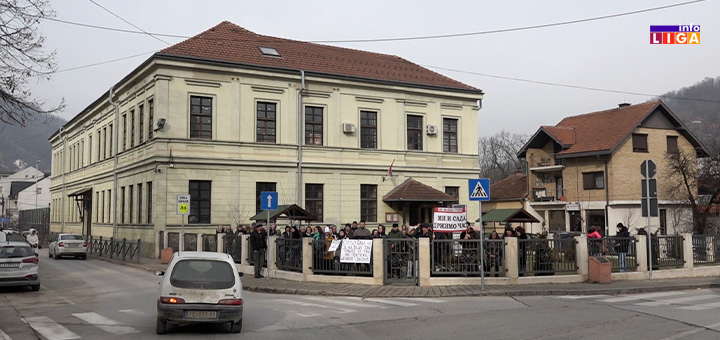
(688, 251)
(137, 251)
(123, 249)
(581, 255)
(307, 256)
(511, 257)
(378, 258)
(220, 242)
(270, 253)
(244, 249)
(100, 247)
(424, 261)
(641, 254)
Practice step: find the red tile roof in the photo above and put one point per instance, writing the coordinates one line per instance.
(228, 42)
(412, 190)
(513, 187)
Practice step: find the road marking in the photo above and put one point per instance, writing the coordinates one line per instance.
(424, 300)
(338, 301)
(392, 302)
(641, 297)
(678, 300)
(108, 325)
(691, 332)
(578, 297)
(132, 311)
(704, 306)
(307, 304)
(4, 336)
(309, 315)
(50, 329)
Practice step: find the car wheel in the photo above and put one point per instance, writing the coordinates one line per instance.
(57, 257)
(35, 288)
(161, 326)
(49, 254)
(236, 327)
(84, 257)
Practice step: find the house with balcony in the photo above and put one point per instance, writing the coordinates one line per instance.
(585, 171)
(229, 113)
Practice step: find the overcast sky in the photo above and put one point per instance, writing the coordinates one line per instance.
(613, 53)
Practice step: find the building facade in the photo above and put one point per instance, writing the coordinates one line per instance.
(585, 171)
(229, 113)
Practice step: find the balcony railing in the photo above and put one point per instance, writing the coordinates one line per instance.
(548, 195)
(541, 161)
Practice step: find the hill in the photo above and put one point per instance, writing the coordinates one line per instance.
(22, 146)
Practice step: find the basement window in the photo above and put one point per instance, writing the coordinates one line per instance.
(269, 51)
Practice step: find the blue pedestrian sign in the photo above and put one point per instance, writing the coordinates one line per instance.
(268, 200)
(479, 189)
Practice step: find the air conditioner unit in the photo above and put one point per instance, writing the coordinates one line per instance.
(432, 130)
(348, 128)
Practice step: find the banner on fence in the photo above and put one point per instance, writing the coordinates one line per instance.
(334, 245)
(449, 220)
(356, 251)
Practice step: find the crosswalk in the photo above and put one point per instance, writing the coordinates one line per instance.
(309, 306)
(681, 300)
(52, 330)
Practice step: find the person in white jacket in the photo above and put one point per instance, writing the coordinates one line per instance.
(32, 238)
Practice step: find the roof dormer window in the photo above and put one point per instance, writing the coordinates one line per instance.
(269, 51)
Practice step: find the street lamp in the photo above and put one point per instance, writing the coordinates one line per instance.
(37, 167)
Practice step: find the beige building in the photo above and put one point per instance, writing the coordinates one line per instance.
(585, 170)
(229, 113)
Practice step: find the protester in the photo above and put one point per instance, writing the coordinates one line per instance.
(621, 246)
(258, 244)
(381, 231)
(361, 232)
(595, 240)
(493, 253)
(509, 232)
(32, 238)
(522, 248)
(395, 232)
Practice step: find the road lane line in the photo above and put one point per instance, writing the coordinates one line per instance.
(132, 311)
(704, 306)
(338, 301)
(307, 304)
(50, 329)
(678, 300)
(4, 336)
(691, 332)
(641, 297)
(424, 300)
(108, 325)
(578, 297)
(391, 302)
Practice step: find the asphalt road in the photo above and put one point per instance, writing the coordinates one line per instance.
(94, 299)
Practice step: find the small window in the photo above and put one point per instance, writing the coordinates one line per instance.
(593, 180)
(453, 191)
(414, 132)
(368, 202)
(672, 144)
(269, 51)
(266, 128)
(368, 129)
(639, 142)
(314, 200)
(200, 117)
(450, 135)
(260, 187)
(200, 199)
(313, 125)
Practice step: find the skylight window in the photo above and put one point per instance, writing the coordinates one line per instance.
(269, 51)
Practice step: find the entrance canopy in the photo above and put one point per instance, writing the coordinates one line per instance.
(509, 216)
(284, 212)
(414, 191)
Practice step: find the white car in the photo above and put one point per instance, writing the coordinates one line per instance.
(18, 265)
(200, 287)
(68, 245)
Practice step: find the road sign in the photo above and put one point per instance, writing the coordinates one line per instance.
(183, 204)
(479, 189)
(648, 168)
(268, 200)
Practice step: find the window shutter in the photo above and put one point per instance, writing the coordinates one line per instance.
(588, 181)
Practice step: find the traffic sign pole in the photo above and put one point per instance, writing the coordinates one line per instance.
(649, 231)
(479, 190)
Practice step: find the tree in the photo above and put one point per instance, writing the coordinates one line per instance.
(22, 59)
(687, 176)
(498, 155)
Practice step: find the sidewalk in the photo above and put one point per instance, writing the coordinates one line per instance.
(280, 286)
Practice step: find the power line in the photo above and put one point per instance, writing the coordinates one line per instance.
(103, 62)
(129, 23)
(570, 86)
(439, 36)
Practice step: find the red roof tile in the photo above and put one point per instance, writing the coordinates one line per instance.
(412, 190)
(228, 42)
(509, 188)
(600, 131)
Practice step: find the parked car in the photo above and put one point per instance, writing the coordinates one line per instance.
(11, 236)
(68, 245)
(18, 265)
(200, 287)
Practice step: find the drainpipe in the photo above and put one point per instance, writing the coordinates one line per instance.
(300, 137)
(63, 134)
(607, 198)
(115, 160)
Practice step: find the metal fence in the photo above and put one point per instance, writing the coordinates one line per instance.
(250, 260)
(706, 249)
(667, 251)
(452, 257)
(620, 251)
(546, 257)
(232, 245)
(209, 242)
(115, 248)
(401, 261)
(288, 254)
(325, 261)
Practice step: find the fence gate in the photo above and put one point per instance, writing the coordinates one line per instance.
(233, 246)
(401, 261)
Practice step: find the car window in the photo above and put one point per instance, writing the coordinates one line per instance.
(71, 237)
(8, 252)
(14, 237)
(202, 274)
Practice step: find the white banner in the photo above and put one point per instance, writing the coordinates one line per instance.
(334, 245)
(449, 220)
(356, 251)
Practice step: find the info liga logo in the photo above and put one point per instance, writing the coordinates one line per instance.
(681, 34)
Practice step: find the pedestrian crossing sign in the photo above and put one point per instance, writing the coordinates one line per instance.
(479, 189)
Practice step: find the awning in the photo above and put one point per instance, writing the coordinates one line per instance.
(80, 192)
(284, 212)
(413, 191)
(509, 215)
